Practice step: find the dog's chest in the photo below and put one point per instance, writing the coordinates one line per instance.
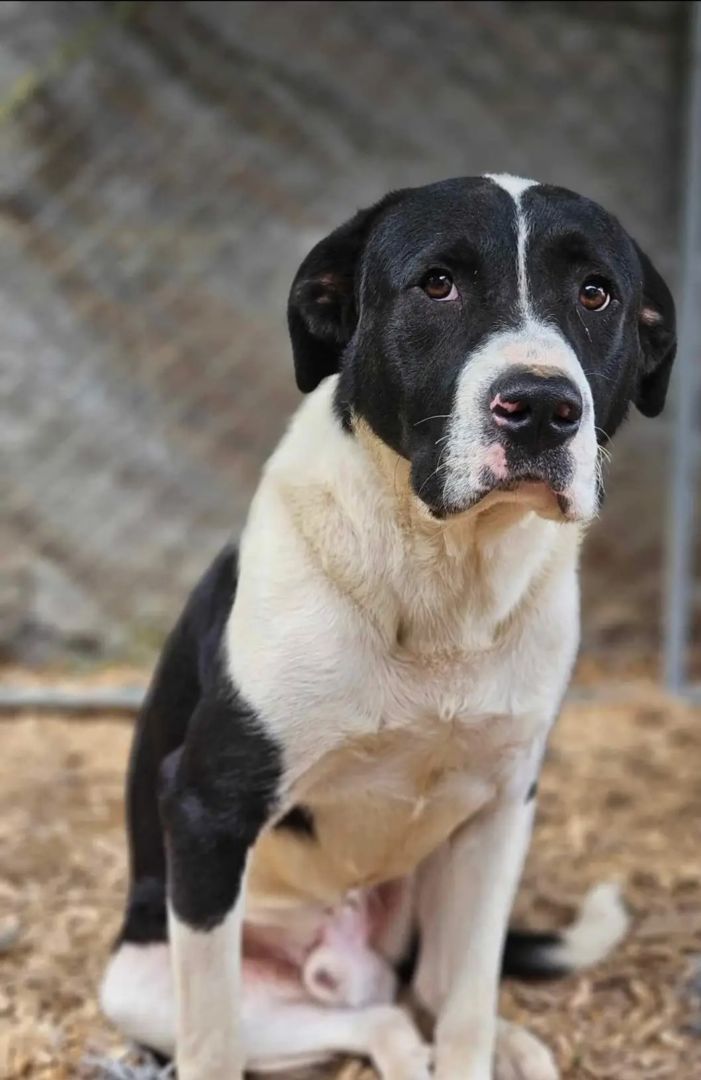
(404, 697)
(380, 802)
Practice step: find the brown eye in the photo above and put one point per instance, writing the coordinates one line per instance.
(595, 294)
(439, 285)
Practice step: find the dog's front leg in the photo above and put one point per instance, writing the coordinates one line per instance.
(466, 890)
(217, 795)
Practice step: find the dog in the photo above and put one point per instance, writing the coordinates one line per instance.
(337, 759)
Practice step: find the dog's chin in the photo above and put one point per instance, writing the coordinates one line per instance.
(530, 494)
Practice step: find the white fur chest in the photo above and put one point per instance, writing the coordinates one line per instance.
(409, 669)
(322, 671)
(356, 613)
(384, 797)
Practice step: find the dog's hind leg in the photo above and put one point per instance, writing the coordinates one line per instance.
(521, 1055)
(281, 1027)
(281, 1035)
(137, 995)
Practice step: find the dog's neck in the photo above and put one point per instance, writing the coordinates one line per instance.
(468, 573)
(450, 583)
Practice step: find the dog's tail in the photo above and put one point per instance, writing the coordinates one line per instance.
(601, 923)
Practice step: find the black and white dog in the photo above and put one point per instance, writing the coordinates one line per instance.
(339, 752)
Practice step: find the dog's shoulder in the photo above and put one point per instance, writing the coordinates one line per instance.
(208, 608)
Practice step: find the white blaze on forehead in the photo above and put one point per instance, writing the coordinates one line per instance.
(515, 187)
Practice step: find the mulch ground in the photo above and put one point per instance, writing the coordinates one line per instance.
(620, 798)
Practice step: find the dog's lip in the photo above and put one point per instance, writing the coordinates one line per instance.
(528, 489)
(526, 484)
(525, 489)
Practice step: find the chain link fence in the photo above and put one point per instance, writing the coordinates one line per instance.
(164, 167)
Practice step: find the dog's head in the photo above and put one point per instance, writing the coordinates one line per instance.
(492, 331)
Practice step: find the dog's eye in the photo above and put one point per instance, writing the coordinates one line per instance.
(439, 285)
(595, 294)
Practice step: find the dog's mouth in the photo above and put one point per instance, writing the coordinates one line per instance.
(543, 481)
(546, 491)
(537, 492)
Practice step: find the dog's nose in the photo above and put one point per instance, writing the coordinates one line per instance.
(537, 412)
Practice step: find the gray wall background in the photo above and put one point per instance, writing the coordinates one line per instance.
(163, 169)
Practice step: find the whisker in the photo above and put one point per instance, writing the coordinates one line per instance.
(586, 328)
(445, 465)
(441, 465)
(599, 468)
(438, 416)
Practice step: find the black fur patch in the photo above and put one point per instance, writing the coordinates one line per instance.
(218, 792)
(530, 955)
(405, 967)
(146, 921)
(300, 821)
(202, 769)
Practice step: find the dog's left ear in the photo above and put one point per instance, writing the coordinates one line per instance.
(322, 307)
(658, 340)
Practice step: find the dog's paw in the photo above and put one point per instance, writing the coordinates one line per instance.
(521, 1056)
(398, 1051)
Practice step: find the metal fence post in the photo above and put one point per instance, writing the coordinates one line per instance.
(683, 493)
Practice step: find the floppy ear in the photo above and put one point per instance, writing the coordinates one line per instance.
(658, 340)
(322, 308)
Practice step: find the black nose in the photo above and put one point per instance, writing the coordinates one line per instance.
(537, 412)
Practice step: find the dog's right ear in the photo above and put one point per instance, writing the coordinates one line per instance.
(658, 339)
(322, 307)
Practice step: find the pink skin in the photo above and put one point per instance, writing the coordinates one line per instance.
(337, 964)
(564, 411)
(495, 459)
(344, 969)
(506, 406)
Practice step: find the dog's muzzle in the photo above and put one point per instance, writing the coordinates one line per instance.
(522, 426)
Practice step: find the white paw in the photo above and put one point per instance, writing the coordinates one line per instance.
(397, 1050)
(521, 1056)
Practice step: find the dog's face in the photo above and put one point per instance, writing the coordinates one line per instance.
(492, 331)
